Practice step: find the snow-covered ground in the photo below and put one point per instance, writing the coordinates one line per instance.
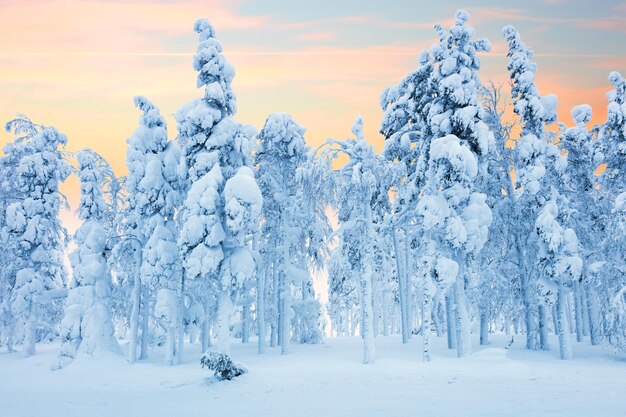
(324, 380)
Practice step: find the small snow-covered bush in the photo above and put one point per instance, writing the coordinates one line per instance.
(222, 365)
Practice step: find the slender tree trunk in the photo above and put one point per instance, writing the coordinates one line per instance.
(464, 343)
(484, 326)
(585, 310)
(30, 330)
(260, 308)
(224, 310)
(408, 286)
(206, 328)
(565, 343)
(385, 313)
(134, 315)
(594, 314)
(276, 304)
(245, 317)
(450, 320)
(578, 311)
(375, 304)
(543, 327)
(143, 354)
(555, 319)
(436, 318)
(401, 288)
(181, 324)
(426, 315)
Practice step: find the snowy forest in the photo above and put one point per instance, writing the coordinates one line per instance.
(483, 215)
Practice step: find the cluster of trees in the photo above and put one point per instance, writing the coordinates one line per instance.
(460, 224)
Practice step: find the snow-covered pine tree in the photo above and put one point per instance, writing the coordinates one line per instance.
(559, 264)
(612, 144)
(357, 186)
(497, 293)
(280, 153)
(215, 147)
(407, 136)
(538, 165)
(152, 184)
(455, 218)
(589, 219)
(87, 325)
(33, 228)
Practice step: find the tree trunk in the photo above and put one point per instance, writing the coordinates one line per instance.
(143, 354)
(464, 343)
(224, 310)
(181, 324)
(206, 328)
(276, 303)
(484, 326)
(30, 331)
(543, 327)
(594, 314)
(401, 288)
(578, 311)
(450, 320)
(134, 316)
(260, 309)
(426, 314)
(565, 343)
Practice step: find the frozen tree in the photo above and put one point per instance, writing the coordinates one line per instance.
(152, 186)
(612, 146)
(215, 148)
(87, 325)
(589, 219)
(559, 264)
(536, 161)
(32, 225)
(455, 218)
(406, 134)
(280, 153)
(357, 186)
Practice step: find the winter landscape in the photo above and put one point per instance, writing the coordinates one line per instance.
(457, 251)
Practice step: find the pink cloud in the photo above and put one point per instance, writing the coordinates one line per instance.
(316, 36)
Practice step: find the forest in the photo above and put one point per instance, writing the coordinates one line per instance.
(484, 214)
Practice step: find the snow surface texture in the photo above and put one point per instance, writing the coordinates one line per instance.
(323, 380)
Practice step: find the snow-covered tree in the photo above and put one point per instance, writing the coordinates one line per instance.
(612, 145)
(32, 225)
(215, 226)
(280, 153)
(152, 186)
(538, 165)
(407, 133)
(358, 185)
(87, 325)
(589, 219)
(455, 218)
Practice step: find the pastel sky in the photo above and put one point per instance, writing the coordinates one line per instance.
(77, 64)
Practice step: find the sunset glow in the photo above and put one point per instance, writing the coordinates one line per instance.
(77, 64)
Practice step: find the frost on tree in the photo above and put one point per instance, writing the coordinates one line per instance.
(152, 185)
(357, 187)
(455, 218)
(33, 229)
(539, 167)
(406, 132)
(612, 152)
(87, 325)
(588, 218)
(289, 236)
(216, 227)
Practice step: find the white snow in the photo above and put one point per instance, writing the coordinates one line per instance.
(324, 380)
